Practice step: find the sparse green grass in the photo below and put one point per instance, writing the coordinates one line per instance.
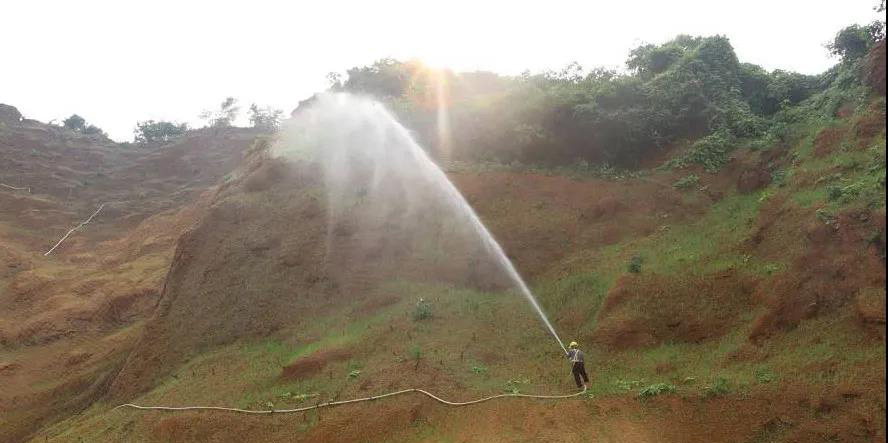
(479, 369)
(586, 290)
(850, 175)
(810, 197)
(719, 387)
(677, 249)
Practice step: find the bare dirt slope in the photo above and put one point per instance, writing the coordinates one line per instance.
(70, 317)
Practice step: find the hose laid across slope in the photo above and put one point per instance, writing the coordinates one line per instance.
(344, 402)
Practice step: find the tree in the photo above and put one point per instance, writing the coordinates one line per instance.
(92, 130)
(74, 123)
(853, 42)
(385, 78)
(686, 88)
(267, 118)
(767, 92)
(334, 81)
(150, 131)
(77, 123)
(649, 60)
(224, 116)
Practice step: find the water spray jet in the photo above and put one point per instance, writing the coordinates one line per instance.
(364, 151)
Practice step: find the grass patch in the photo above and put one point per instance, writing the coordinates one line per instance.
(583, 289)
(679, 248)
(720, 387)
(656, 389)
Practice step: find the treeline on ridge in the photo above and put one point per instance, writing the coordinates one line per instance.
(690, 88)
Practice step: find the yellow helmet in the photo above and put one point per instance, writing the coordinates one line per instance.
(573, 344)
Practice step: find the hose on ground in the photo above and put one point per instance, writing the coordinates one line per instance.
(345, 402)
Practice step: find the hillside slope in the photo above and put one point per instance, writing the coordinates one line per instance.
(742, 305)
(69, 318)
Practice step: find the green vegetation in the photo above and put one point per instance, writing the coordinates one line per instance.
(691, 94)
(710, 151)
(673, 91)
(635, 264)
(656, 389)
(422, 311)
(513, 385)
(150, 131)
(74, 123)
(415, 353)
(718, 388)
(764, 375)
(689, 182)
(224, 116)
(855, 41)
(77, 123)
(265, 118)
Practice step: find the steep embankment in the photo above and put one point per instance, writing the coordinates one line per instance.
(756, 293)
(68, 319)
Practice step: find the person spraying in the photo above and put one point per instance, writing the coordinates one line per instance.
(577, 358)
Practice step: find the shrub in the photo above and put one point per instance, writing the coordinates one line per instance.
(224, 116)
(93, 130)
(78, 124)
(74, 123)
(422, 311)
(635, 264)
(826, 216)
(415, 352)
(266, 119)
(853, 42)
(718, 388)
(711, 152)
(689, 182)
(480, 370)
(656, 389)
(765, 375)
(513, 386)
(778, 177)
(150, 131)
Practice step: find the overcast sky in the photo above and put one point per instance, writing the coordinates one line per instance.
(116, 62)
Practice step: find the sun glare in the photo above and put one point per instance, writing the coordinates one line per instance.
(440, 59)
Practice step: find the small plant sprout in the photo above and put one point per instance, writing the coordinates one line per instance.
(765, 375)
(635, 264)
(422, 311)
(513, 386)
(415, 354)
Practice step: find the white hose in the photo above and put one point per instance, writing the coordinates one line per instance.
(16, 188)
(82, 224)
(344, 402)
